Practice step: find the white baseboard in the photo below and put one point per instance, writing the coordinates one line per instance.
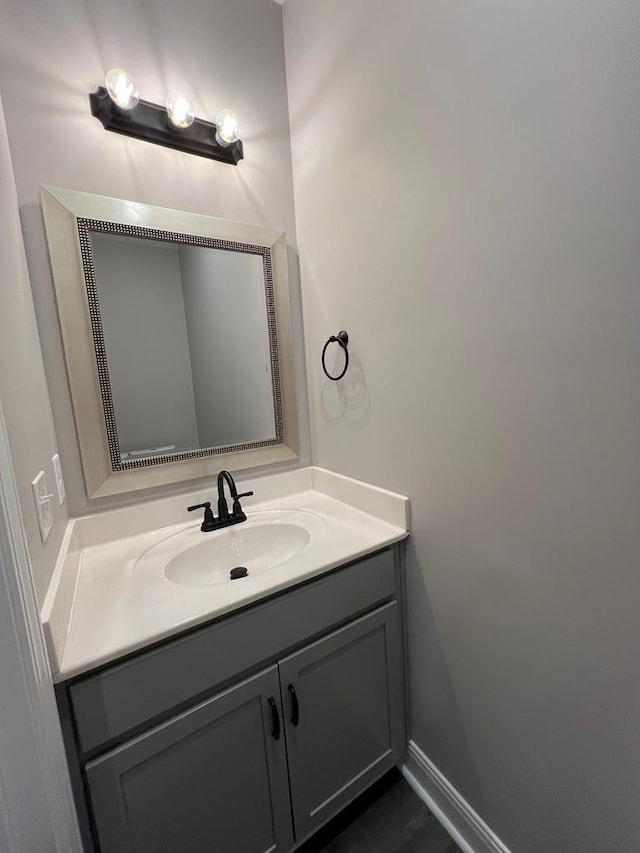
(466, 827)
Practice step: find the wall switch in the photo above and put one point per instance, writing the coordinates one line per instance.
(57, 472)
(44, 504)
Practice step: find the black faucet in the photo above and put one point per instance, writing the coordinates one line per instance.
(224, 518)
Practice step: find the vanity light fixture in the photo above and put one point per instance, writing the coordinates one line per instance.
(118, 107)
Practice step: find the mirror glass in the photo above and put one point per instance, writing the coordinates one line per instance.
(184, 332)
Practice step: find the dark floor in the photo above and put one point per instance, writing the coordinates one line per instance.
(390, 818)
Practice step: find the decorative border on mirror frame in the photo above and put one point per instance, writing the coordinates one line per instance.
(85, 226)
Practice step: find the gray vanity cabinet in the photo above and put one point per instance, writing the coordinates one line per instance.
(211, 779)
(343, 715)
(248, 734)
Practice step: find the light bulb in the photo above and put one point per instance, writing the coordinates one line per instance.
(227, 128)
(180, 110)
(121, 89)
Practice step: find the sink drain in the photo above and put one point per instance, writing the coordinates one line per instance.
(238, 572)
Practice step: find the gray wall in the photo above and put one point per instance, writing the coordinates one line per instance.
(225, 307)
(227, 53)
(143, 316)
(468, 203)
(23, 390)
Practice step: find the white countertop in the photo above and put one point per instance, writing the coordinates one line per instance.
(101, 606)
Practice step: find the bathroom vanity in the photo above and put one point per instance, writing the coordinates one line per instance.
(221, 688)
(248, 725)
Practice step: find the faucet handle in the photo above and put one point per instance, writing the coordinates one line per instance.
(236, 511)
(208, 522)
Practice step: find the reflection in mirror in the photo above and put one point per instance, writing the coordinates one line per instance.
(177, 337)
(188, 333)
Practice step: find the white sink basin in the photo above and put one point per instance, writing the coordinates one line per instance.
(265, 541)
(257, 547)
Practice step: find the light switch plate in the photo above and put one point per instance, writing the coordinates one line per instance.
(57, 472)
(44, 504)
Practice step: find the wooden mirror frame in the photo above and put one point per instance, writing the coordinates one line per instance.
(67, 214)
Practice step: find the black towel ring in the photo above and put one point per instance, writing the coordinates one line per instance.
(341, 338)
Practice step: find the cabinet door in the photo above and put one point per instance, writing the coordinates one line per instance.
(212, 780)
(344, 715)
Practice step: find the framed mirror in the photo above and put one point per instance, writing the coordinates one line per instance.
(177, 336)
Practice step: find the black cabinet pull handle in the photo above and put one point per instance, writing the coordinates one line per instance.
(295, 708)
(275, 719)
